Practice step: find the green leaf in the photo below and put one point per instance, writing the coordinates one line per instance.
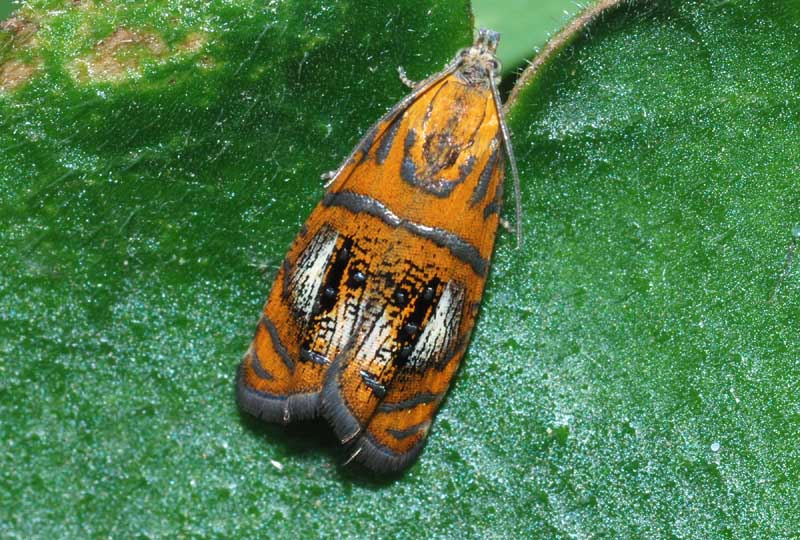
(634, 371)
(652, 318)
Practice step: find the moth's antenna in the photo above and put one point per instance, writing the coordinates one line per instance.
(510, 151)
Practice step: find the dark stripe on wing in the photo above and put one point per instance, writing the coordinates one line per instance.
(460, 248)
(287, 268)
(420, 399)
(485, 177)
(496, 205)
(401, 434)
(387, 140)
(280, 349)
(258, 368)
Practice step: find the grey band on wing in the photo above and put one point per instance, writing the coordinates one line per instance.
(460, 248)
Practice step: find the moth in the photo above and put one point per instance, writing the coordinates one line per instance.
(373, 306)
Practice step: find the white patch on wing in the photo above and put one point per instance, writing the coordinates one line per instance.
(441, 331)
(309, 271)
(377, 344)
(346, 319)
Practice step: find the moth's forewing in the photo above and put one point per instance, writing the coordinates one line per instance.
(373, 307)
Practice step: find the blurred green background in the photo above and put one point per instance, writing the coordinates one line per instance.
(6, 7)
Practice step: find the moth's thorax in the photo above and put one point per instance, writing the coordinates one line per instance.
(478, 64)
(447, 136)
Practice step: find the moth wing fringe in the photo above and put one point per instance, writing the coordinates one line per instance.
(333, 408)
(362, 446)
(380, 459)
(271, 408)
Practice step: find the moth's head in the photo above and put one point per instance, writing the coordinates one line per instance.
(479, 63)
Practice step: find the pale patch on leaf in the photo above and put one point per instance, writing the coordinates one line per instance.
(15, 73)
(123, 55)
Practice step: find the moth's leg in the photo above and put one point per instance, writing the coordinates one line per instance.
(507, 226)
(352, 457)
(328, 177)
(403, 77)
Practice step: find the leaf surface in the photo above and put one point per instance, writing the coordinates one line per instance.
(634, 373)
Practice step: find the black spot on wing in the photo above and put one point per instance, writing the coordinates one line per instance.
(423, 303)
(333, 278)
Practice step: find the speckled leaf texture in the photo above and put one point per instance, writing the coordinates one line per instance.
(635, 369)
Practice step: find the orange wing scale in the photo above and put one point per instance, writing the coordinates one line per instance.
(372, 309)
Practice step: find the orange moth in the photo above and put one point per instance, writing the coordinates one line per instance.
(372, 309)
